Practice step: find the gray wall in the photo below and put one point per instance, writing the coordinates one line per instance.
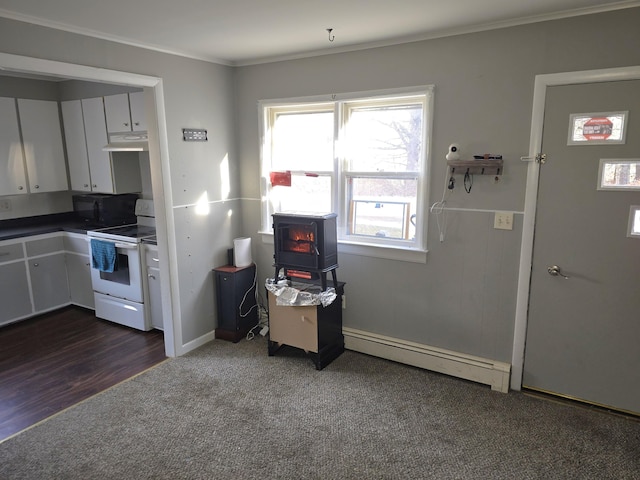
(464, 297)
(196, 94)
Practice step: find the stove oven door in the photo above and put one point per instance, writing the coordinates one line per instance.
(126, 280)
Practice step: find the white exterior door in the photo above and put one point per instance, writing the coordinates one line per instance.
(583, 331)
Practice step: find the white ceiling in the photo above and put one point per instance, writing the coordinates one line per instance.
(242, 32)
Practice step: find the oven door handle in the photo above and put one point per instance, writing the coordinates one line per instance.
(129, 246)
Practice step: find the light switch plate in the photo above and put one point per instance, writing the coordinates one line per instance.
(503, 221)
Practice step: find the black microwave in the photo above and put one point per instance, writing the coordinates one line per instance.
(103, 210)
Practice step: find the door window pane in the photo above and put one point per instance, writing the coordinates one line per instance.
(634, 222)
(619, 174)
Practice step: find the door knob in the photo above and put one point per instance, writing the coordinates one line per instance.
(554, 271)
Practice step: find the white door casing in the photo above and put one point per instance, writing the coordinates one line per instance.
(158, 149)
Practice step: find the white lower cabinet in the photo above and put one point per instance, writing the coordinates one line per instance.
(78, 260)
(43, 272)
(152, 286)
(79, 274)
(15, 295)
(49, 282)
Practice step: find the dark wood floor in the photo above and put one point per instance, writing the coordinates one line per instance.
(54, 361)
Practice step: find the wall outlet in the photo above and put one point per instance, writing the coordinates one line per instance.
(5, 205)
(344, 302)
(503, 221)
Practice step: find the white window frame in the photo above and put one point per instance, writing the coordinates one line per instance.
(407, 250)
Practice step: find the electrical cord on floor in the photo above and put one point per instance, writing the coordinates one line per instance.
(263, 322)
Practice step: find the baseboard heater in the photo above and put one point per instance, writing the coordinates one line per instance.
(488, 372)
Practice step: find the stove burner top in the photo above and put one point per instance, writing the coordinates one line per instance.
(131, 233)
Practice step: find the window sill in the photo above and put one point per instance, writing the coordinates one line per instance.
(368, 250)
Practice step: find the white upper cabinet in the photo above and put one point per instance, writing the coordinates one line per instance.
(125, 112)
(13, 179)
(138, 117)
(77, 157)
(116, 108)
(43, 150)
(96, 134)
(91, 168)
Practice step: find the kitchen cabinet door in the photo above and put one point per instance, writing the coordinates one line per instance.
(15, 297)
(116, 108)
(79, 273)
(77, 256)
(138, 117)
(49, 281)
(43, 150)
(95, 129)
(153, 286)
(76, 143)
(13, 179)
(14, 292)
(155, 298)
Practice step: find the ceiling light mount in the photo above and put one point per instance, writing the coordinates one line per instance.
(331, 37)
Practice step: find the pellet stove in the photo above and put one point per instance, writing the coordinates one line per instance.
(306, 245)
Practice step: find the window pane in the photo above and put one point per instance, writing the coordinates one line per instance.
(306, 194)
(623, 174)
(634, 221)
(383, 207)
(384, 139)
(303, 141)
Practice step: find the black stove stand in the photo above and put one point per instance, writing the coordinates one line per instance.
(315, 329)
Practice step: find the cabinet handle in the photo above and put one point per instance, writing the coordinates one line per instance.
(20, 187)
(86, 185)
(36, 264)
(137, 123)
(95, 186)
(150, 275)
(36, 186)
(126, 124)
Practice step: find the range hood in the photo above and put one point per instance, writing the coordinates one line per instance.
(127, 142)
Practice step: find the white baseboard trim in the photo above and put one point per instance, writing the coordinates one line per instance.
(198, 342)
(477, 369)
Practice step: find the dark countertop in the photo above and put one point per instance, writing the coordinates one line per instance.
(59, 222)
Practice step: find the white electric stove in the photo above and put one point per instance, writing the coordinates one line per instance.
(119, 295)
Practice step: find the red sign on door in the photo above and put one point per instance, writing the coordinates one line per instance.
(597, 128)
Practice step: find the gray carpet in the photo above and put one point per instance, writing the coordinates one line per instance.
(228, 411)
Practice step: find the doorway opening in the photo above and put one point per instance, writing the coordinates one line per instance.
(158, 157)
